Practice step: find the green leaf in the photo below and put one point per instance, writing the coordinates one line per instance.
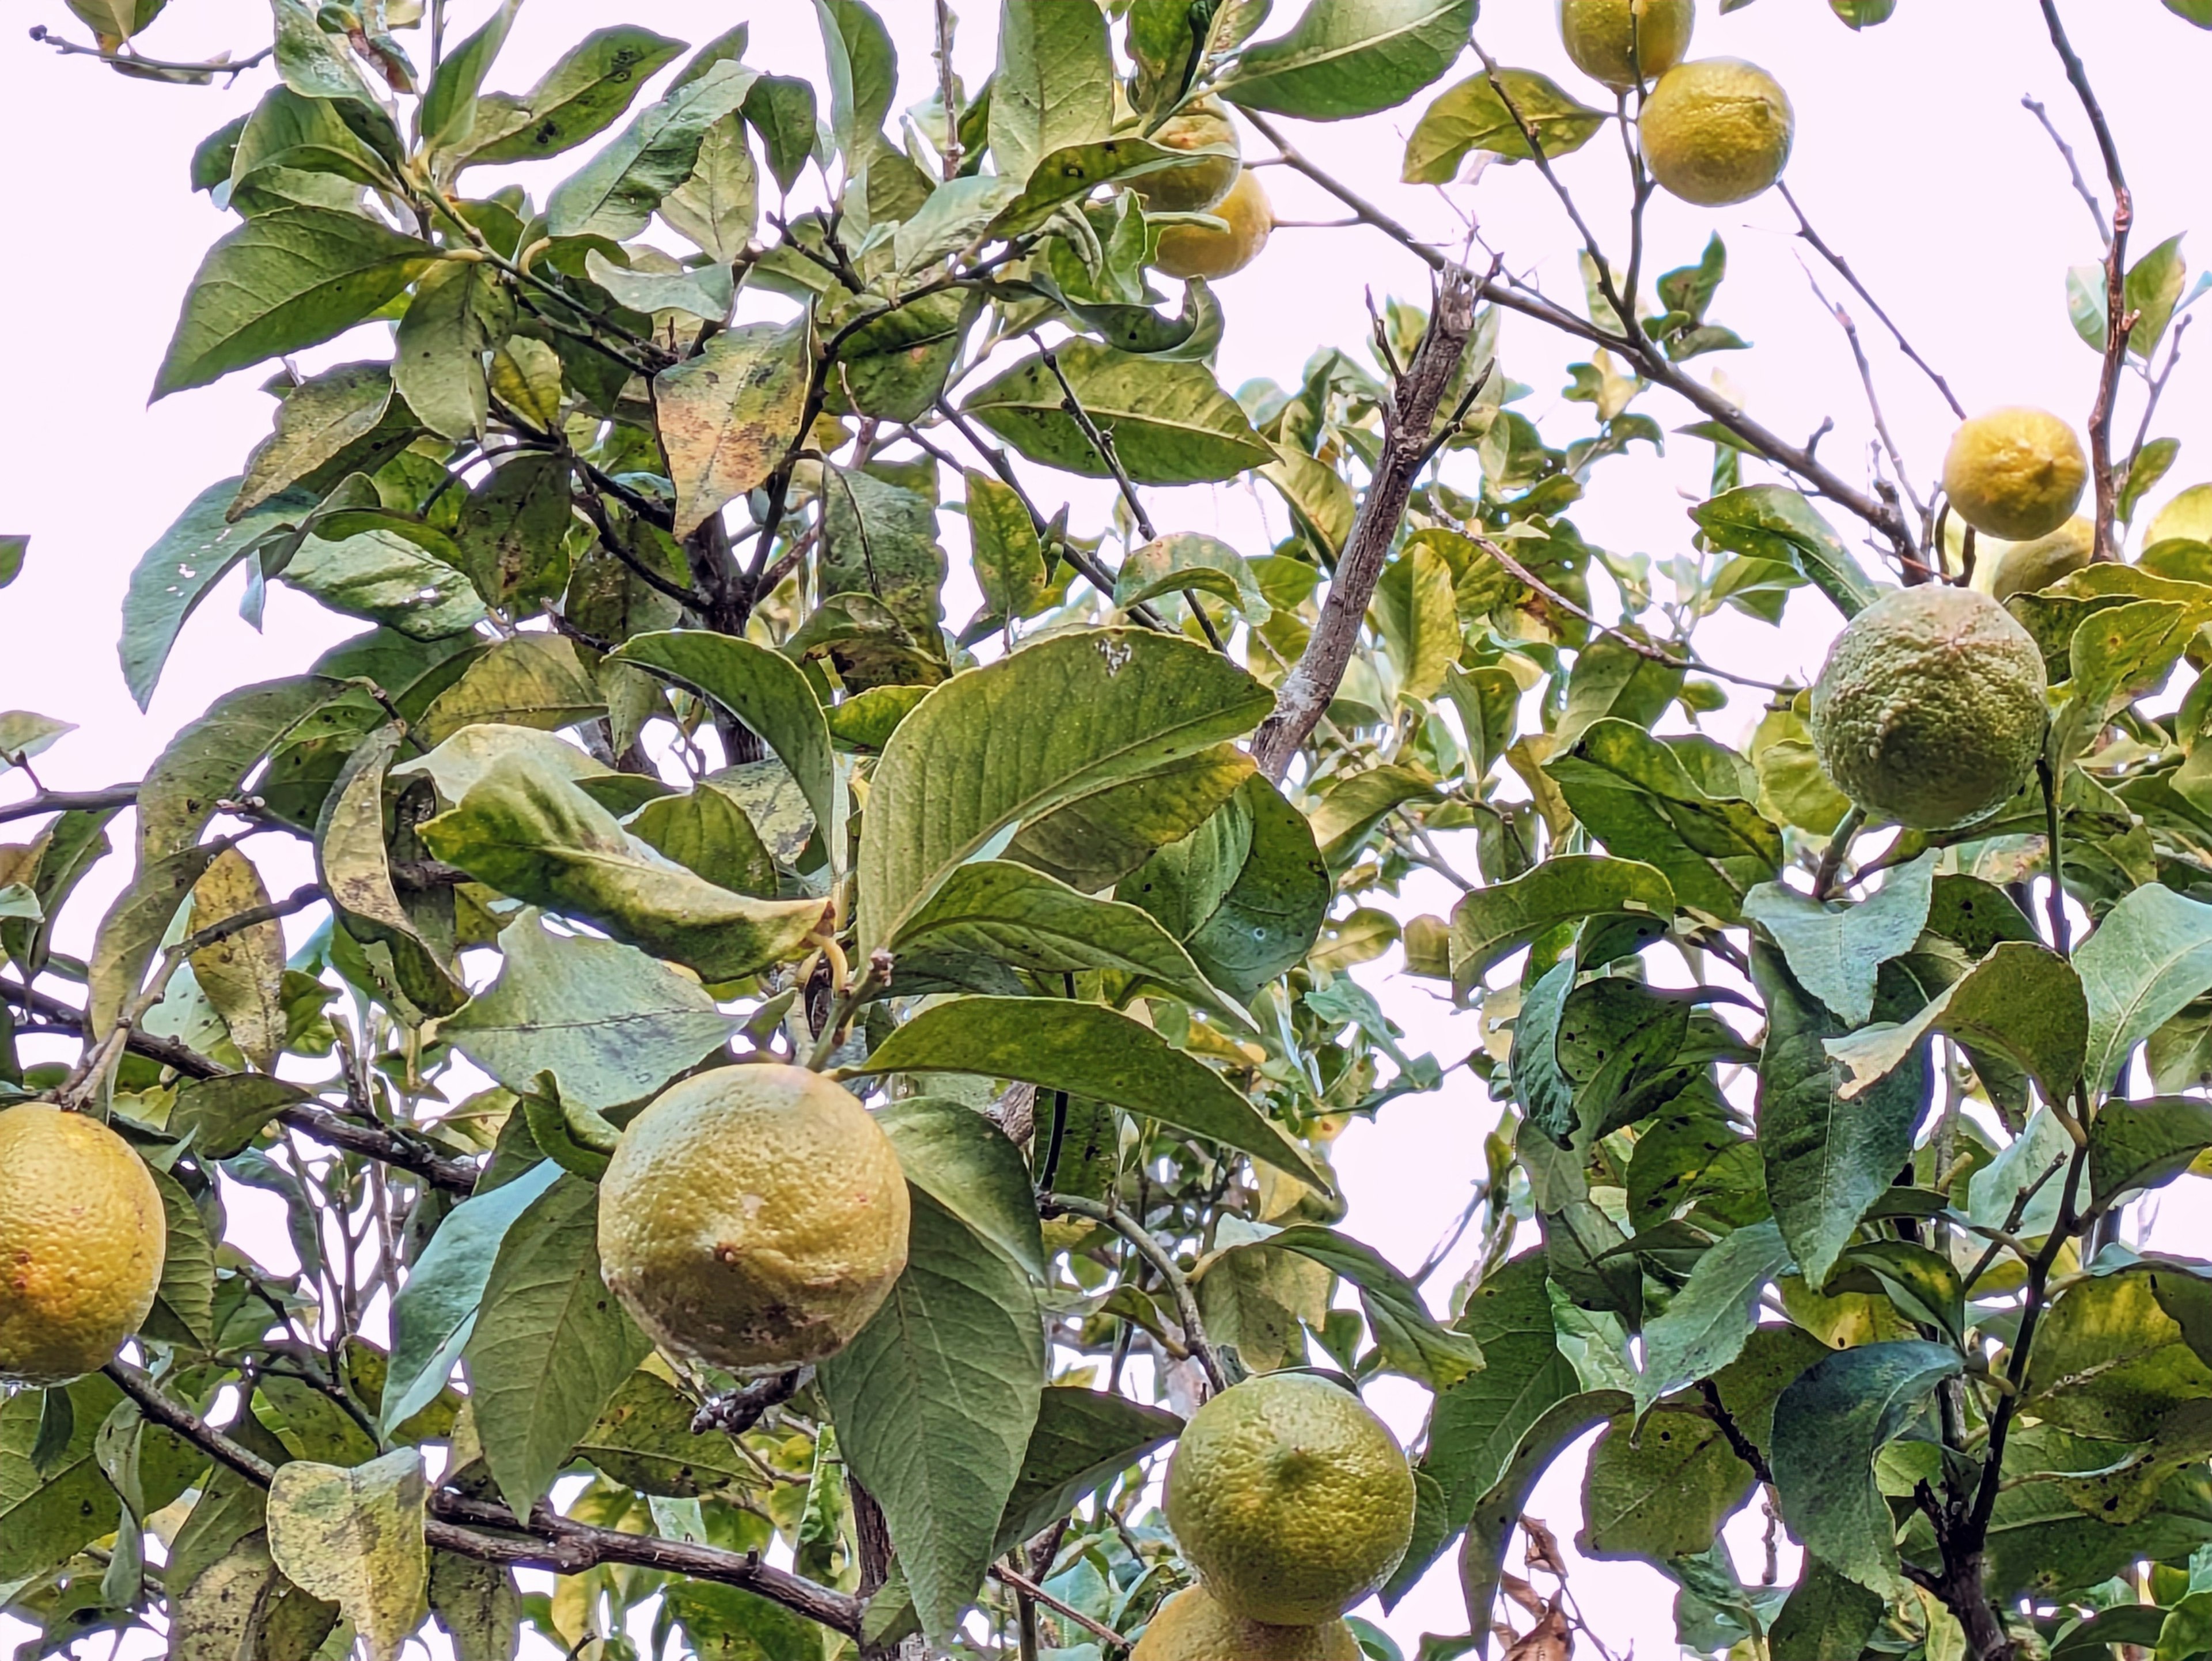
(781, 109)
(1088, 1050)
(644, 1440)
(584, 94)
(717, 207)
(546, 843)
(209, 760)
(510, 538)
(1772, 521)
(613, 195)
(283, 281)
(1411, 1341)
(762, 688)
(1182, 561)
(1054, 85)
(134, 927)
(935, 1401)
(1271, 913)
(435, 1312)
(478, 1604)
(1826, 1617)
(996, 909)
(1006, 553)
(1068, 176)
(1828, 1427)
(182, 569)
(2110, 1360)
(319, 421)
(552, 1345)
(879, 542)
(2023, 1002)
(2150, 465)
(384, 577)
(1418, 613)
(1494, 921)
(963, 1160)
(224, 1114)
(535, 680)
(1471, 116)
(460, 311)
(2137, 1146)
(1170, 423)
(1349, 57)
(705, 831)
(448, 114)
(183, 1306)
(1083, 1438)
(2150, 957)
(863, 73)
(608, 1022)
(2154, 289)
(1827, 1160)
(727, 415)
(48, 1514)
(1125, 702)
(1836, 951)
(1497, 1514)
(1704, 1328)
(1100, 839)
(12, 551)
(355, 1538)
(2198, 12)
(1611, 678)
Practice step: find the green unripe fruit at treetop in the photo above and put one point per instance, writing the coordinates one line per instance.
(1610, 41)
(2016, 473)
(1930, 711)
(2029, 568)
(1716, 130)
(1196, 187)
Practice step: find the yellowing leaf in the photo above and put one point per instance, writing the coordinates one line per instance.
(727, 415)
(355, 1537)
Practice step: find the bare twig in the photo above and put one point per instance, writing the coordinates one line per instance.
(203, 72)
(2073, 168)
(1194, 1332)
(1029, 1588)
(1844, 269)
(69, 801)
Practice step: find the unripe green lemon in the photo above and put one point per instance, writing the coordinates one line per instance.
(1611, 40)
(2016, 473)
(1200, 251)
(1291, 1499)
(82, 1238)
(1191, 1626)
(1716, 130)
(753, 1216)
(2027, 568)
(1930, 711)
(1196, 187)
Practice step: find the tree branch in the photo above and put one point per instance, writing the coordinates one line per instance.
(1844, 269)
(1306, 690)
(69, 801)
(1193, 1331)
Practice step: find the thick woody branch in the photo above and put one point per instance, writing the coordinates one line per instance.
(1311, 684)
(547, 1540)
(67, 801)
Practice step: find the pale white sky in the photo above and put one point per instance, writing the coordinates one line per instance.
(1913, 156)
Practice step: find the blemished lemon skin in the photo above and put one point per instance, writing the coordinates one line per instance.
(1931, 710)
(1611, 40)
(1290, 1499)
(82, 1238)
(1189, 251)
(1191, 1626)
(1196, 187)
(2027, 568)
(753, 1216)
(2016, 473)
(1716, 130)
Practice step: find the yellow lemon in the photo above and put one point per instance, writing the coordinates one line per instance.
(1200, 251)
(1290, 1499)
(2026, 568)
(753, 1216)
(1716, 130)
(1931, 710)
(2016, 473)
(1191, 1626)
(1611, 40)
(82, 1238)
(1196, 187)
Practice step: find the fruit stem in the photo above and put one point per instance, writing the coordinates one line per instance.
(1839, 842)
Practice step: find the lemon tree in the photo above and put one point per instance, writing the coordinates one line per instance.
(793, 981)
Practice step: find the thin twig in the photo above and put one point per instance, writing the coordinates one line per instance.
(69, 801)
(2073, 168)
(1053, 1205)
(1844, 269)
(1866, 379)
(1029, 1588)
(209, 69)
(1839, 844)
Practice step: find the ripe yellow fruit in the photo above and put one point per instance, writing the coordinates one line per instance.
(2016, 473)
(2027, 568)
(1194, 188)
(1191, 1626)
(1931, 710)
(1716, 130)
(753, 1216)
(1611, 40)
(1200, 250)
(1291, 1499)
(82, 1238)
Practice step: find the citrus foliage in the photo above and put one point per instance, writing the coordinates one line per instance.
(657, 753)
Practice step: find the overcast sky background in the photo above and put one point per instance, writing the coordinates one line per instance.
(1913, 155)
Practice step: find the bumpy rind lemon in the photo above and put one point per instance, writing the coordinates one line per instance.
(82, 1243)
(1930, 711)
(2016, 473)
(753, 1216)
(1716, 130)
(1194, 188)
(1611, 40)
(2027, 568)
(1200, 251)
(1191, 1626)
(1290, 1499)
